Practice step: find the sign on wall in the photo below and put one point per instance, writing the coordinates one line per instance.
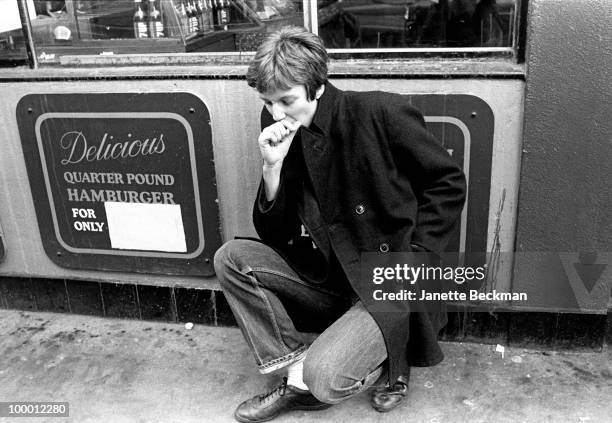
(121, 181)
(464, 124)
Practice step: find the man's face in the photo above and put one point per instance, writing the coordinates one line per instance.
(291, 104)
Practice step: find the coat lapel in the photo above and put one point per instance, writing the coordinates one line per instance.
(318, 148)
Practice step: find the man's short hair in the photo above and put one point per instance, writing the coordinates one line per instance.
(288, 57)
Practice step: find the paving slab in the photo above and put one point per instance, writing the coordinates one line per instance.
(114, 370)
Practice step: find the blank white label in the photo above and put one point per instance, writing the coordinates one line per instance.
(141, 226)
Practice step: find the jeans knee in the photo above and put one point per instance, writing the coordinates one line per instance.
(220, 254)
(325, 382)
(223, 262)
(220, 260)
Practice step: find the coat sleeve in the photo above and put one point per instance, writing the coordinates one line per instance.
(274, 220)
(437, 181)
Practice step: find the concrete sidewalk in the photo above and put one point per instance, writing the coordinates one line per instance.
(112, 370)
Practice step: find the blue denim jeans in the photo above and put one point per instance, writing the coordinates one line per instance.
(285, 319)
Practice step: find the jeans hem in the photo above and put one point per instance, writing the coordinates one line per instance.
(280, 362)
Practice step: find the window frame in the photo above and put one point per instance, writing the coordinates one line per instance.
(514, 53)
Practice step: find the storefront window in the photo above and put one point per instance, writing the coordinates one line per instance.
(377, 24)
(158, 26)
(147, 27)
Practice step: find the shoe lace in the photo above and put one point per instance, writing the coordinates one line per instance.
(278, 391)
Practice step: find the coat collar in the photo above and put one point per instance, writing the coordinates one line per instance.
(324, 115)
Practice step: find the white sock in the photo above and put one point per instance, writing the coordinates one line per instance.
(295, 372)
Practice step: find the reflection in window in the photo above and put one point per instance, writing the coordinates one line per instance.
(157, 26)
(416, 23)
(93, 27)
(12, 47)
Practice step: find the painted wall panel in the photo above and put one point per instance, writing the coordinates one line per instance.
(234, 111)
(565, 195)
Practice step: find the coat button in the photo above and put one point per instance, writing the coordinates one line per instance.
(359, 209)
(384, 247)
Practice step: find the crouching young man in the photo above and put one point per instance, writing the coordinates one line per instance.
(343, 173)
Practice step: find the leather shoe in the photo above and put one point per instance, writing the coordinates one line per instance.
(262, 408)
(386, 398)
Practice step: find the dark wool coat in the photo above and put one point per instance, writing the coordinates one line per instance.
(383, 183)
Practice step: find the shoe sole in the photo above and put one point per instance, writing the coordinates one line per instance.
(384, 410)
(300, 408)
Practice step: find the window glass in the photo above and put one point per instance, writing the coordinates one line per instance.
(12, 41)
(94, 27)
(158, 26)
(12, 47)
(367, 24)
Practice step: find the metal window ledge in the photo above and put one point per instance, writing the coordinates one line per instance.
(223, 67)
